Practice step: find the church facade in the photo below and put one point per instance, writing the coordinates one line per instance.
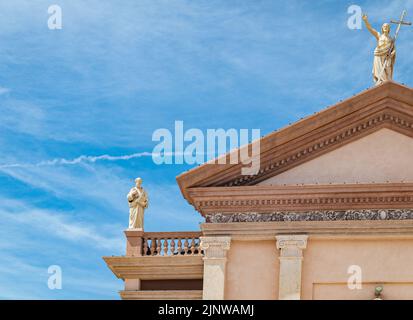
(329, 215)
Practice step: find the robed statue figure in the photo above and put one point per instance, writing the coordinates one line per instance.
(138, 202)
(384, 54)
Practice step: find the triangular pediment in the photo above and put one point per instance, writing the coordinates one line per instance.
(383, 114)
(384, 156)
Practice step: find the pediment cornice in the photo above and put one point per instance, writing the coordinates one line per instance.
(387, 106)
(290, 156)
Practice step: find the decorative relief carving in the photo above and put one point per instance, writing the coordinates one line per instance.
(344, 215)
(322, 144)
(215, 247)
(291, 245)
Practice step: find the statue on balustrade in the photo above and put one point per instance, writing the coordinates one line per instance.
(138, 202)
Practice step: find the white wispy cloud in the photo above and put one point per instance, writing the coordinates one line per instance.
(89, 283)
(4, 90)
(78, 160)
(94, 186)
(58, 225)
(35, 238)
(104, 157)
(101, 189)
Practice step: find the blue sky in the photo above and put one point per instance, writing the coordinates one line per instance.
(116, 73)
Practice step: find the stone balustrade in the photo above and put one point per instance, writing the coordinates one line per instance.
(171, 243)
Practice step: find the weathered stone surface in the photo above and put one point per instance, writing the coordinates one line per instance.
(384, 214)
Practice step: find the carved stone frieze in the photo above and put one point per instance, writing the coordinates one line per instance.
(344, 215)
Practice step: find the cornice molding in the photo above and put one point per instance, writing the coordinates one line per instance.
(301, 198)
(387, 106)
(162, 295)
(387, 119)
(156, 268)
(349, 229)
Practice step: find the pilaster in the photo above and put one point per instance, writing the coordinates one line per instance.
(291, 257)
(215, 260)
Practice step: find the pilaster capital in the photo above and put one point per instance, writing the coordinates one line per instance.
(291, 245)
(215, 247)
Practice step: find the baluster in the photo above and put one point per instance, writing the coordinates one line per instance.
(158, 246)
(145, 246)
(172, 246)
(192, 246)
(165, 247)
(199, 247)
(179, 249)
(186, 244)
(153, 246)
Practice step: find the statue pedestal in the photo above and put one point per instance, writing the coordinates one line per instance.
(134, 242)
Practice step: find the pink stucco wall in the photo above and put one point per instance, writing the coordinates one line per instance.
(383, 156)
(253, 269)
(388, 262)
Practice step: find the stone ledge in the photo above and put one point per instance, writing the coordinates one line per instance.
(252, 231)
(162, 295)
(157, 267)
